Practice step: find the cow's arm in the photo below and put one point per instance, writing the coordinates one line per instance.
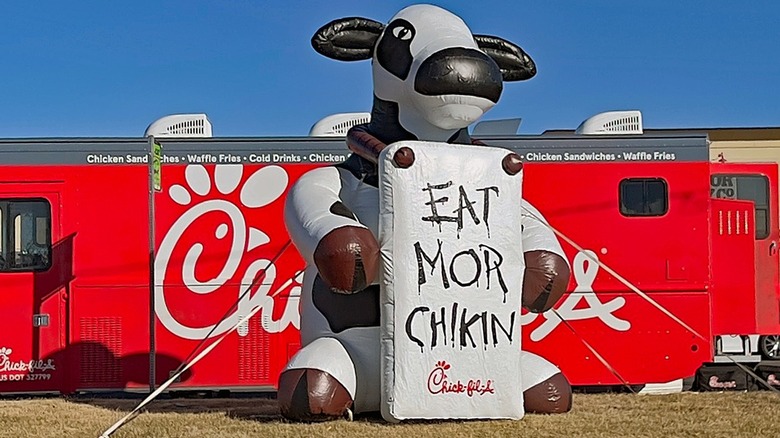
(327, 234)
(546, 269)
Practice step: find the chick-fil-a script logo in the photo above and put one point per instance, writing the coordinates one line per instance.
(17, 370)
(261, 188)
(585, 268)
(725, 384)
(203, 194)
(440, 383)
(31, 366)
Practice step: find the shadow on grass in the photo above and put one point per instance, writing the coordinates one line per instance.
(249, 415)
(257, 407)
(247, 406)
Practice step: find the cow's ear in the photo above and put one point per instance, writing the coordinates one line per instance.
(348, 39)
(514, 63)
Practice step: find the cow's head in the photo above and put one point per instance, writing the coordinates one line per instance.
(427, 62)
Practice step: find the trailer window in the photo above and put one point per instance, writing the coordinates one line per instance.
(25, 231)
(644, 197)
(746, 188)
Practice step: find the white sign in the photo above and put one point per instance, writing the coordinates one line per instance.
(453, 265)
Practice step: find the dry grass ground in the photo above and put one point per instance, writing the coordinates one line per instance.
(754, 414)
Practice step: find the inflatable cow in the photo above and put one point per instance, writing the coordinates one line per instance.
(432, 78)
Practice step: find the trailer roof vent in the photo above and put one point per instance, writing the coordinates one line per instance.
(337, 125)
(612, 122)
(181, 125)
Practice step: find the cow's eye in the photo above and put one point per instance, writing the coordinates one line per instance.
(403, 33)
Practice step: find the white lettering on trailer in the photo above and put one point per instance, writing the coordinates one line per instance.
(596, 156)
(589, 156)
(663, 156)
(219, 158)
(105, 159)
(543, 156)
(229, 158)
(259, 158)
(286, 158)
(261, 188)
(585, 270)
(326, 158)
(637, 156)
(137, 158)
(201, 158)
(170, 159)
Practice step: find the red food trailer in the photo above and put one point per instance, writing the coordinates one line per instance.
(106, 281)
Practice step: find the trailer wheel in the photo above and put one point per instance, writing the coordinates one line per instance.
(769, 347)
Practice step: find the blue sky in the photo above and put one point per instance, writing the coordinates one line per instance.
(106, 68)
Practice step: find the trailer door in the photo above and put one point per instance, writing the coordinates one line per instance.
(757, 183)
(34, 273)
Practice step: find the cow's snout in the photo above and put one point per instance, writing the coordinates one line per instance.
(459, 71)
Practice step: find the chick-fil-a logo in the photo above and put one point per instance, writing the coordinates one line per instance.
(31, 366)
(585, 269)
(439, 383)
(725, 384)
(260, 189)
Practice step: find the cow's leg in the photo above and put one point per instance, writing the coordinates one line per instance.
(318, 384)
(545, 388)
